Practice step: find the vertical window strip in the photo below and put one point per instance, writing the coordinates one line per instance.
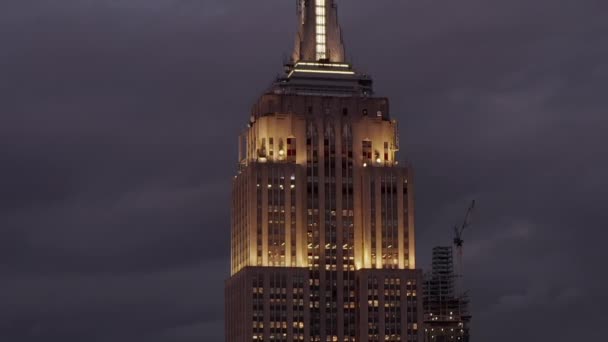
(373, 222)
(320, 11)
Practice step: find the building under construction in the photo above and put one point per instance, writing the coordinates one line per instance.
(446, 314)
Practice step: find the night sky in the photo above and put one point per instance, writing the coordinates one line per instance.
(118, 126)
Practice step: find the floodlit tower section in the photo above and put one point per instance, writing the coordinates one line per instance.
(333, 147)
(322, 245)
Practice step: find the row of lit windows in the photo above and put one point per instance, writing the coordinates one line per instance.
(283, 337)
(265, 154)
(278, 322)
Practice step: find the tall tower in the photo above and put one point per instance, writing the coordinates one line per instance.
(446, 314)
(323, 244)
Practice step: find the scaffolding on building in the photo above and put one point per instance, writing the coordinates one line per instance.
(446, 311)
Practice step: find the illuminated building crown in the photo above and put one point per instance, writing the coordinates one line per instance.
(318, 65)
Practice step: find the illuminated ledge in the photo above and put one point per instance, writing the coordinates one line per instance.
(315, 71)
(334, 65)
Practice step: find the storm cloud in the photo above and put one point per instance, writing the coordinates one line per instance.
(118, 126)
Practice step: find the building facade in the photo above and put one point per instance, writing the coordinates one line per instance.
(322, 237)
(446, 311)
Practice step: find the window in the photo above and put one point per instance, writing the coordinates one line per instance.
(367, 150)
(291, 148)
(270, 147)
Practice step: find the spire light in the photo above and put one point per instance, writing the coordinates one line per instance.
(321, 29)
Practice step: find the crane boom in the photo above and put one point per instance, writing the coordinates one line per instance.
(467, 222)
(458, 242)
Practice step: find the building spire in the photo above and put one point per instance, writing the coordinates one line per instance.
(319, 37)
(318, 65)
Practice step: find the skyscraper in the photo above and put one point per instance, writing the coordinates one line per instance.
(446, 314)
(322, 238)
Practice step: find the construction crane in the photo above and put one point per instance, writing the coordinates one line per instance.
(458, 241)
(459, 230)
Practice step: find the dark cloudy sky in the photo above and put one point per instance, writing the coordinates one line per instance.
(118, 125)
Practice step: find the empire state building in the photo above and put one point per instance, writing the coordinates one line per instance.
(322, 235)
